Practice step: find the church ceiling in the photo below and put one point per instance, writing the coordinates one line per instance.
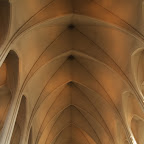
(72, 72)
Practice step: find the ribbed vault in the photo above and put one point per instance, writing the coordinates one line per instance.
(76, 76)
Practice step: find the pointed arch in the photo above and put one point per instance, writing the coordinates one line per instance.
(137, 61)
(12, 62)
(137, 126)
(20, 123)
(9, 72)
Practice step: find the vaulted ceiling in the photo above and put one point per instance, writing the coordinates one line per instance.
(72, 72)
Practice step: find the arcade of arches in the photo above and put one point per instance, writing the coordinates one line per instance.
(72, 72)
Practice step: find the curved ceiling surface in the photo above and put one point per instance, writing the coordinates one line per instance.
(79, 72)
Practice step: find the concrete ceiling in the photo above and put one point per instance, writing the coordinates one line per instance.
(72, 72)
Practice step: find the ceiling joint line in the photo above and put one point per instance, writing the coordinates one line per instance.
(47, 113)
(40, 96)
(121, 119)
(15, 34)
(126, 79)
